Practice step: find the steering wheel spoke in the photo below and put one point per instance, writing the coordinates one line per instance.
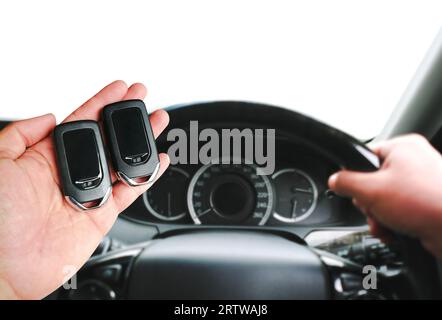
(104, 277)
(347, 279)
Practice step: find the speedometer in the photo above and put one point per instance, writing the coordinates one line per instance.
(229, 194)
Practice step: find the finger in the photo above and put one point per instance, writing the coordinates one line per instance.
(377, 230)
(384, 148)
(124, 195)
(353, 184)
(358, 205)
(16, 137)
(159, 120)
(113, 92)
(136, 91)
(374, 227)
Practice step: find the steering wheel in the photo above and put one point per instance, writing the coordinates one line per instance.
(249, 264)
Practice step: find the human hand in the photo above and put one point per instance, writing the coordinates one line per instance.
(405, 195)
(40, 233)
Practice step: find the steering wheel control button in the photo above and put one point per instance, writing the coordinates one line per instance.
(111, 273)
(92, 290)
(82, 164)
(132, 144)
(351, 282)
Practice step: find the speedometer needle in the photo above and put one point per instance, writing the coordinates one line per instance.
(295, 203)
(169, 211)
(204, 212)
(303, 190)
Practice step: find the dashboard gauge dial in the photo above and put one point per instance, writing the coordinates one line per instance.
(167, 199)
(225, 194)
(296, 195)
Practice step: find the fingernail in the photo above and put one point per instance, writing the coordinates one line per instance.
(332, 180)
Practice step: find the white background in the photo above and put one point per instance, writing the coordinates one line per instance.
(344, 62)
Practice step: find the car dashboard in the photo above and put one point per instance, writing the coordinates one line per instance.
(228, 194)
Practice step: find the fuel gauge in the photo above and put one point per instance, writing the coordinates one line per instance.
(296, 194)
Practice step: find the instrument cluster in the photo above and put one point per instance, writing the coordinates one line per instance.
(235, 193)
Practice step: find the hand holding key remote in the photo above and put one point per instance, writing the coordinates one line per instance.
(41, 234)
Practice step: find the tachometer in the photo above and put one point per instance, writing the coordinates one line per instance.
(229, 194)
(296, 195)
(167, 200)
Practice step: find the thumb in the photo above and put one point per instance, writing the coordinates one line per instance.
(359, 185)
(16, 137)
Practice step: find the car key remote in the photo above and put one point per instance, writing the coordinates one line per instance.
(82, 164)
(132, 144)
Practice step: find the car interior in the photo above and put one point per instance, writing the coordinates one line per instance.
(220, 231)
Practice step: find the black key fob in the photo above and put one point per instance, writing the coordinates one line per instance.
(131, 141)
(82, 164)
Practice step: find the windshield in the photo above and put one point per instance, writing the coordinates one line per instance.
(342, 63)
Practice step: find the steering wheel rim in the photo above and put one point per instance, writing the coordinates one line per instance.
(344, 149)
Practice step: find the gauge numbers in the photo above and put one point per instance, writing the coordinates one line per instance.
(221, 194)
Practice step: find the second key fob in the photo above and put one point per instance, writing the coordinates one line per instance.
(82, 164)
(131, 141)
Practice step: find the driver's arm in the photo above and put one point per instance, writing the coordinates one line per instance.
(405, 195)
